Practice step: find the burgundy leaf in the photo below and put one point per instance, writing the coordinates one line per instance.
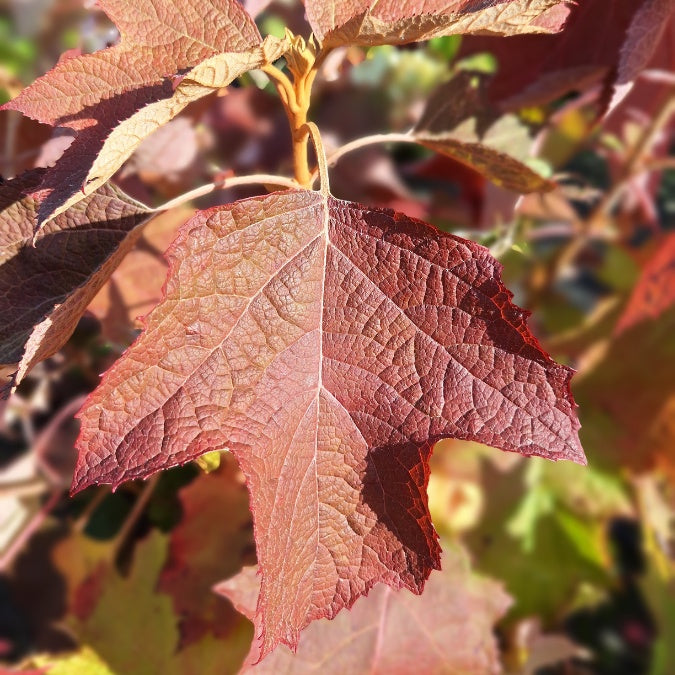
(328, 346)
(655, 290)
(604, 41)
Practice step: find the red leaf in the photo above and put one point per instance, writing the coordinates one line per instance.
(447, 630)
(328, 346)
(643, 35)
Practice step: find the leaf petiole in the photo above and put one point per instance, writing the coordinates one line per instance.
(233, 181)
(375, 139)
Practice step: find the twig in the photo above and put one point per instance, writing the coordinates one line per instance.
(83, 519)
(35, 523)
(253, 179)
(659, 164)
(42, 442)
(322, 167)
(283, 84)
(633, 167)
(376, 139)
(24, 488)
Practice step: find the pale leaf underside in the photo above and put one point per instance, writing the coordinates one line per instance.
(449, 629)
(393, 22)
(328, 346)
(99, 150)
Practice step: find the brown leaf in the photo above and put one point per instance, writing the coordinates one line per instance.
(447, 630)
(460, 122)
(45, 288)
(328, 346)
(391, 22)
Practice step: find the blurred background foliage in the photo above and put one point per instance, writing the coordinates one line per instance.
(121, 582)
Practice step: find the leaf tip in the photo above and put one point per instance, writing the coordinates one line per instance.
(577, 454)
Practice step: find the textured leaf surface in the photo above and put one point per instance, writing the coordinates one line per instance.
(45, 289)
(158, 38)
(391, 22)
(655, 290)
(447, 630)
(117, 97)
(328, 346)
(460, 122)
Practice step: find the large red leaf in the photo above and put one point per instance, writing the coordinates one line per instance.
(448, 630)
(393, 22)
(116, 97)
(328, 346)
(46, 285)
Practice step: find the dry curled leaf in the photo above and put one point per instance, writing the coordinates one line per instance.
(460, 122)
(392, 22)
